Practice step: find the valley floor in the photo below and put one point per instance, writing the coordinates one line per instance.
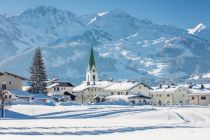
(39, 122)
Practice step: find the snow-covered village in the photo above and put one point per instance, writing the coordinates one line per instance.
(104, 70)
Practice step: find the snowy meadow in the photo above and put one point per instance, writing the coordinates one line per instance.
(105, 121)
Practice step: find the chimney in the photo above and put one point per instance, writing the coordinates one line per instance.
(202, 86)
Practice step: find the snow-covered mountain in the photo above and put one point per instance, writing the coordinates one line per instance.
(200, 30)
(125, 47)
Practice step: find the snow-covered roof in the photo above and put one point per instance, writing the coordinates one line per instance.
(121, 86)
(14, 75)
(199, 91)
(126, 97)
(97, 84)
(165, 89)
(26, 88)
(139, 96)
(52, 85)
(41, 96)
(20, 93)
(61, 84)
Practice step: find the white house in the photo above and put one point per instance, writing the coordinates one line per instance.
(59, 86)
(11, 81)
(17, 95)
(169, 95)
(199, 95)
(127, 88)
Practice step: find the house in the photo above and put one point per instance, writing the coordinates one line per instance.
(127, 88)
(169, 95)
(59, 86)
(11, 81)
(17, 95)
(199, 95)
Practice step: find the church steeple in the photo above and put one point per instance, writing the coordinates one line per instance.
(92, 59)
(91, 75)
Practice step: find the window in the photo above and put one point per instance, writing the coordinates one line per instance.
(192, 97)
(112, 93)
(139, 87)
(94, 77)
(10, 82)
(168, 95)
(10, 96)
(126, 93)
(160, 95)
(58, 88)
(93, 70)
(4, 86)
(118, 93)
(5, 96)
(203, 98)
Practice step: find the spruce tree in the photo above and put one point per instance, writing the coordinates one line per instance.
(38, 74)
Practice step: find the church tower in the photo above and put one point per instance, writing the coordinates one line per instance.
(91, 75)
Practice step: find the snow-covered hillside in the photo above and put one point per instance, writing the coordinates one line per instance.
(125, 47)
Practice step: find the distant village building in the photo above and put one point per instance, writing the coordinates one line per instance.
(11, 81)
(11, 86)
(18, 95)
(127, 88)
(199, 95)
(180, 95)
(95, 90)
(169, 95)
(55, 86)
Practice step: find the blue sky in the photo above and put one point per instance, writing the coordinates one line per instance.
(182, 13)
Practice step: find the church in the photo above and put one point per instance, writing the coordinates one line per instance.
(95, 90)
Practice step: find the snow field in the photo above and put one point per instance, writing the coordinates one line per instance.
(104, 121)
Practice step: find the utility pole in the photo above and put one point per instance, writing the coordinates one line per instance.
(2, 97)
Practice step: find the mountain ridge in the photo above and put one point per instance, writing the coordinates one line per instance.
(125, 47)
